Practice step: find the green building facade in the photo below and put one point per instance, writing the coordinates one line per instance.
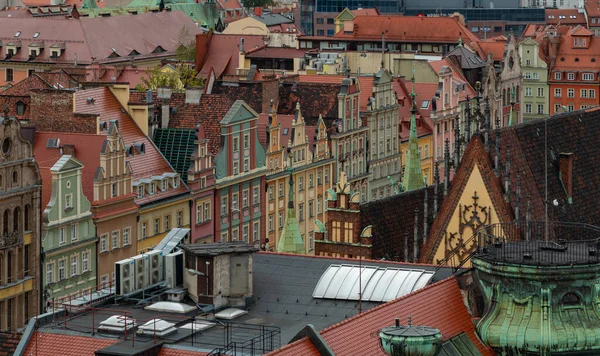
(535, 94)
(68, 234)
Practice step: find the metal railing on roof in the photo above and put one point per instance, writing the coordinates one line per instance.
(582, 240)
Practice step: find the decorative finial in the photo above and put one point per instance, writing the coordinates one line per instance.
(410, 320)
(460, 41)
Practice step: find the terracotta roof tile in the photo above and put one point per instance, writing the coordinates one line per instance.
(365, 12)
(87, 150)
(8, 343)
(565, 17)
(222, 54)
(569, 58)
(65, 345)
(592, 8)
(439, 305)
(408, 28)
(165, 351)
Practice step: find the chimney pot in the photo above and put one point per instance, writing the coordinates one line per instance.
(193, 95)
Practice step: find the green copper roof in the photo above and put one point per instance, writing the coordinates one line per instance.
(177, 145)
(89, 4)
(413, 175)
(291, 240)
(512, 105)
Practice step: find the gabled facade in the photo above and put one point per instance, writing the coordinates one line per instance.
(536, 92)
(349, 139)
(240, 178)
(20, 195)
(68, 233)
(384, 157)
(291, 144)
(511, 82)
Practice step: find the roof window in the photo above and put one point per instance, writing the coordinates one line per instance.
(36, 35)
(18, 34)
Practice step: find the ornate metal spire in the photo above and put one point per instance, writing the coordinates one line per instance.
(290, 240)
(413, 175)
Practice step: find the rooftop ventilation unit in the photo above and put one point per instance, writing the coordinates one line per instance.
(117, 324)
(230, 313)
(155, 262)
(157, 327)
(124, 276)
(141, 272)
(174, 269)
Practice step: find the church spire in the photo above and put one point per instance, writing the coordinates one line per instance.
(413, 175)
(291, 240)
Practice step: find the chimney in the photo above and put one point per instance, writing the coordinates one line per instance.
(192, 95)
(68, 149)
(566, 172)
(258, 11)
(164, 94)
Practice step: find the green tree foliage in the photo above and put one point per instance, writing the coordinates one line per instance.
(186, 51)
(250, 4)
(184, 76)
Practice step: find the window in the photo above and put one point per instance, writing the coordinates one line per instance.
(571, 93)
(61, 236)
(245, 199)
(224, 205)
(236, 144)
(311, 209)
(540, 92)
(140, 191)
(246, 141)
(318, 206)
(115, 239)
(311, 243)
(246, 164)
(207, 211)
(144, 230)
(74, 265)
(326, 176)
(557, 75)
(527, 75)
(152, 188)
(280, 218)
(236, 168)
(592, 93)
(319, 178)
(527, 91)
(310, 181)
(202, 182)
(235, 234)
(320, 32)
(330, 21)
(330, 33)
(8, 75)
(179, 218)
(234, 201)
(556, 107)
(584, 93)
(175, 182)
(49, 273)
(126, 239)
(535, 75)
(528, 108)
(571, 76)
(167, 222)
(280, 190)
(156, 226)
(224, 236)
(255, 199)
(301, 183)
(74, 232)
(540, 108)
(271, 192)
(198, 213)
(570, 299)
(320, 21)
(300, 212)
(85, 261)
(557, 92)
(61, 270)
(163, 185)
(570, 107)
(20, 108)
(587, 76)
(579, 42)
(255, 231)
(271, 222)
(68, 201)
(245, 232)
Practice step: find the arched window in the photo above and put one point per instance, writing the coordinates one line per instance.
(27, 217)
(5, 222)
(15, 177)
(570, 299)
(17, 219)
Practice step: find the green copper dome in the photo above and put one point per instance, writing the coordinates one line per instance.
(410, 340)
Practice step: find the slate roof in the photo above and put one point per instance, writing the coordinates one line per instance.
(250, 92)
(467, 58)
(394, 217)
(211, 108)
(574, 132)
(439, 305)
(8, 343)
(273, 19)
(86, 38)
(315, 98)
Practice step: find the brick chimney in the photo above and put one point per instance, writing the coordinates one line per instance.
(566, 172)
(164, 94)
(68, 149)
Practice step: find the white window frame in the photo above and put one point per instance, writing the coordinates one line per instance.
(61, 236)
(126, 236)
(103, 243)
(61, 270)
(85, 258)
(557, 92)
(571, 76)
(73, 232)
(50, 272)
(244, 198)
(255, 196)
(74, 265)
(115, 239)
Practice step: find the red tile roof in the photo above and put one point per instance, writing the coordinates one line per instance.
(439, 305)
(578, 59)
(457, 77)
(592, 8)
(87, 150)
(65, 345)
(495, 48)
(87, 39)
(8, 343)
(565, 17)
(222, 54)
(152, 162)
(365, 12)
(165, 351)
(408, 28)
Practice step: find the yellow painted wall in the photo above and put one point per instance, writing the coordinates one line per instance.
(160, 212)
(474, 184)
(21, 287)
(246, 26)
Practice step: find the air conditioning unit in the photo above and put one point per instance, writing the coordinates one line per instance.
(174, 269)
(141, 272)
(155, 266)
(124, 276)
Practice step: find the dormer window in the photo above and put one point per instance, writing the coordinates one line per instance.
(140, 191)
(164, 185)
(152, 188)
(571, 76)
(20, 108)
(36, 35)
(18, 34)
(579, 42)
(175, 182)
